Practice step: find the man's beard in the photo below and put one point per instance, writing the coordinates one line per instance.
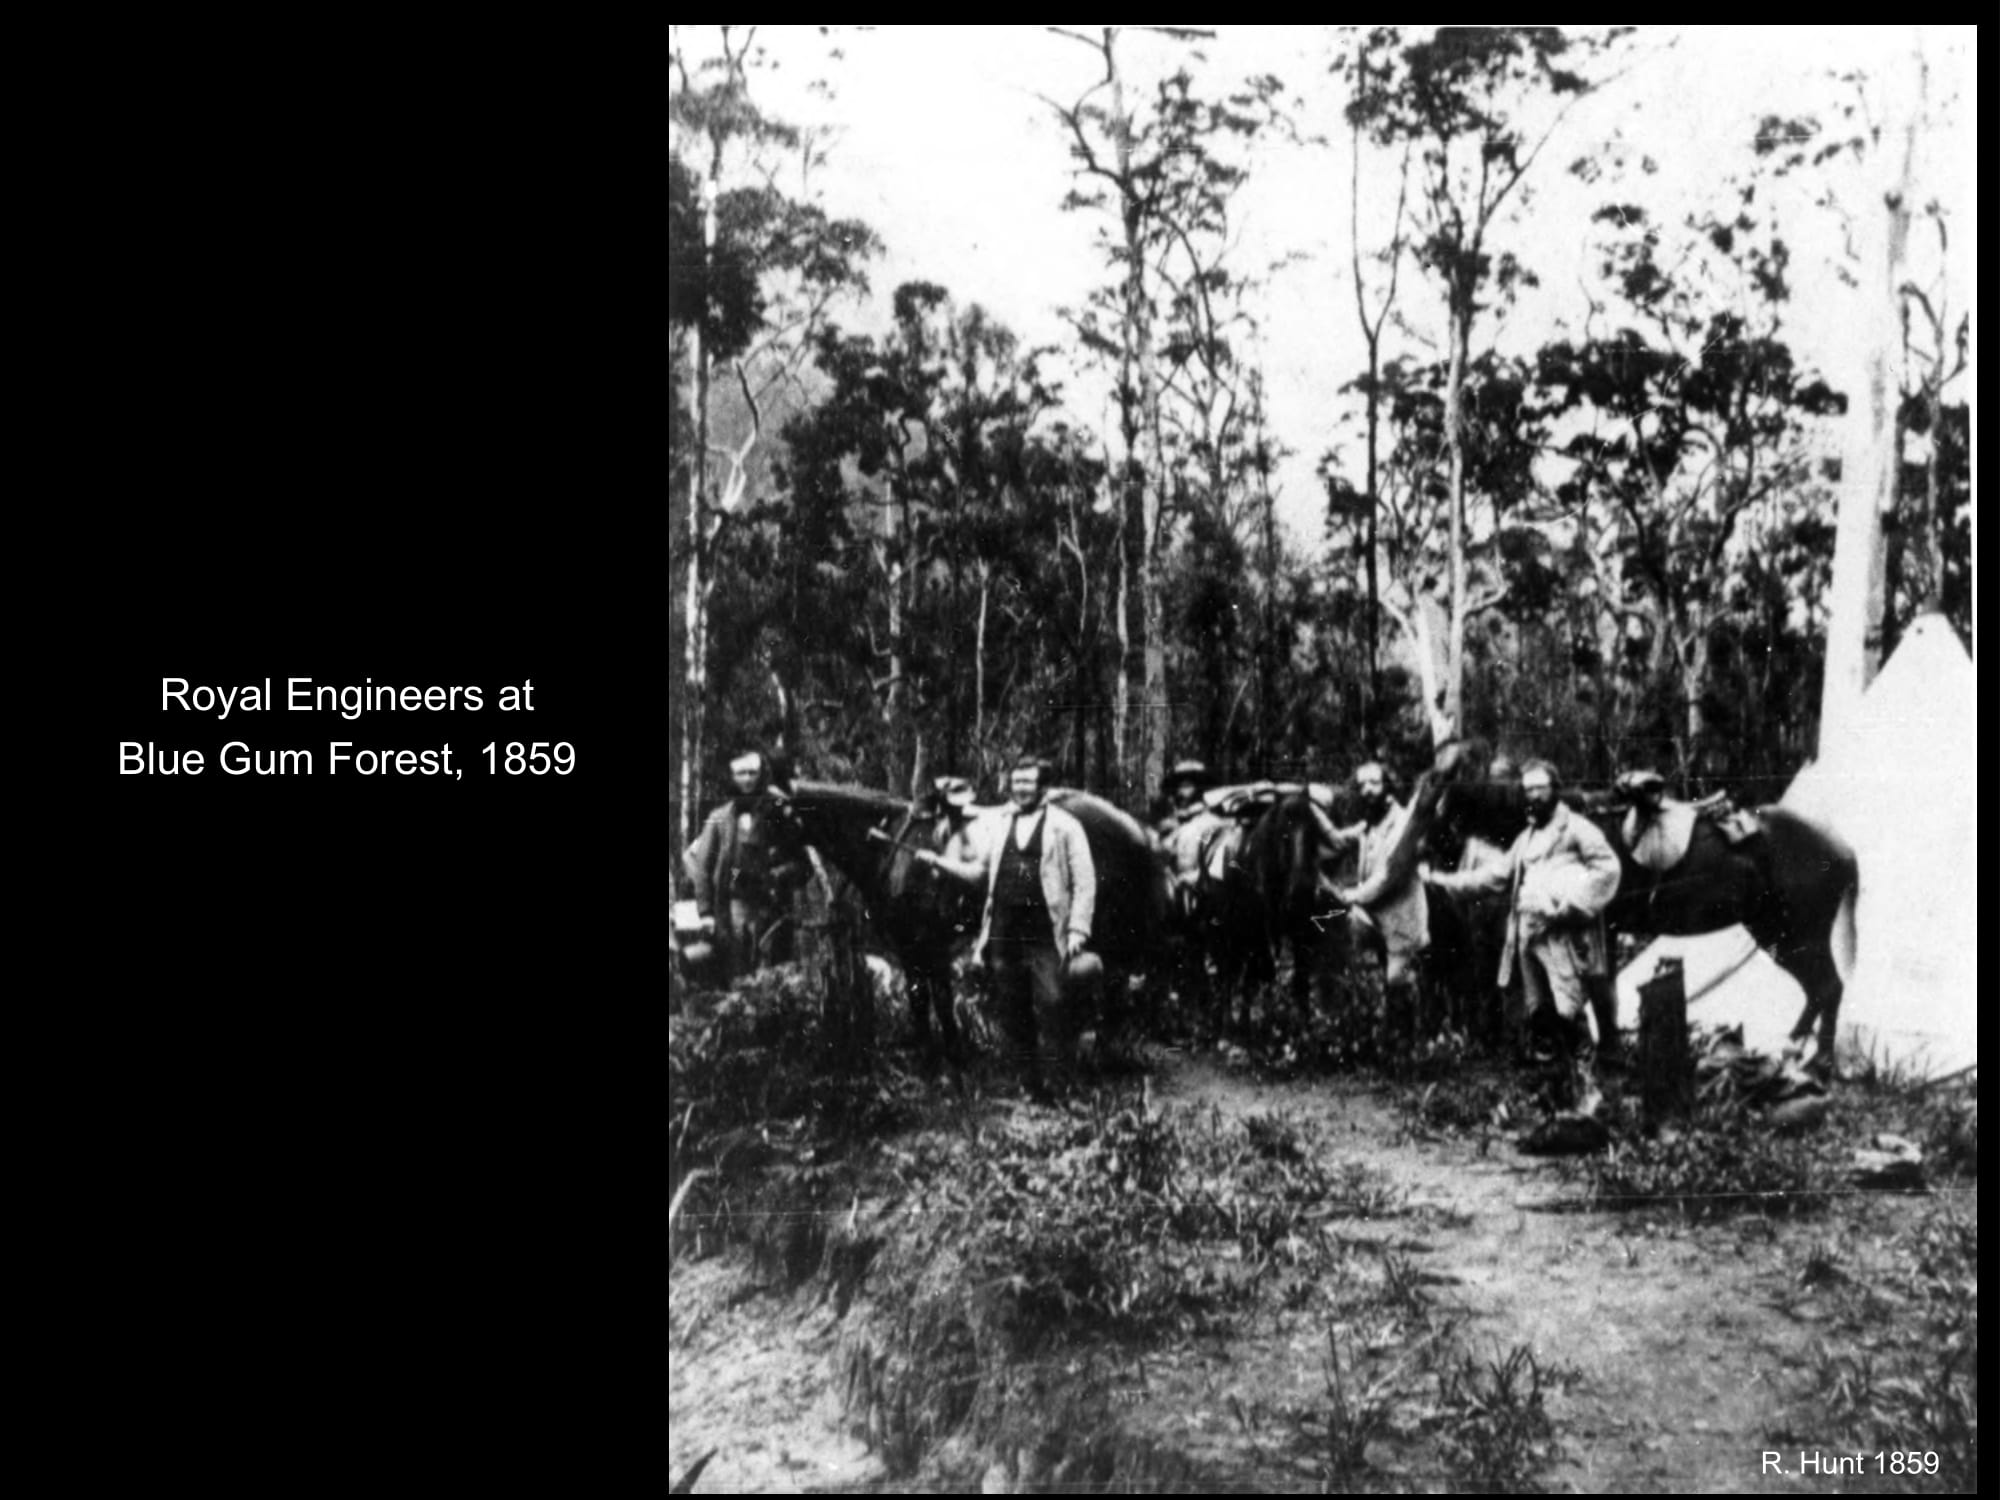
(1539, 814)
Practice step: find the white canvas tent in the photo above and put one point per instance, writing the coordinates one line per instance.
(1900, 785)
(1730, 982)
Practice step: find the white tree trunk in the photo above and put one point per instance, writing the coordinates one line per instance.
(979, 662)
(1868, 488)
(1454, 427)
(694, 679)
(1149, 765)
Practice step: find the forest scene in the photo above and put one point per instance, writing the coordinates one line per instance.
(1265, 461)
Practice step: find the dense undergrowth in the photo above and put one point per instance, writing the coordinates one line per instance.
(1006, 1273)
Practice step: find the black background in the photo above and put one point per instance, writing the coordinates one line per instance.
(354, 375)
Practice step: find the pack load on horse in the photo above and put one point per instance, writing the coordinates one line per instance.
(1691, 868)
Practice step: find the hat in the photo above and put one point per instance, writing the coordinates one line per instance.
(698, 959)
(1084, 968)
(1642, 783)
(1188, 770)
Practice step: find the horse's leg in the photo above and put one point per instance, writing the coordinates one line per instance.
(1305, 955)
(1812, 965)
(944, 1003)
(918, 980)
(1230, 967)
(1808, 960)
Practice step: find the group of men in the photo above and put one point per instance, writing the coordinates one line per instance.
(1040, 887)
(1039, 882)
(1559, 876)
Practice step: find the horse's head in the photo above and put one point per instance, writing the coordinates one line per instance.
(853, 828)
(1283, 849)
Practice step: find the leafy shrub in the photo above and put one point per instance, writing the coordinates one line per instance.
(1494, 1422)
(1723, 1163)
(1032, 1251)
(1913, 1385)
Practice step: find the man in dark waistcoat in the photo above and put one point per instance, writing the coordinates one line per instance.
(744, 869)
(1041, 894)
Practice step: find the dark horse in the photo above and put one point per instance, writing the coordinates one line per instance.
(1268, 895)
(923, 918)
(1786, 885)
(1279, 883)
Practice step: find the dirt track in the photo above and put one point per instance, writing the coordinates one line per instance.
(1679, 1350)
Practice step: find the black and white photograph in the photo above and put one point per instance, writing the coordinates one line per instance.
(1321, 768)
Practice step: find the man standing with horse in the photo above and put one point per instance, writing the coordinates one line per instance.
(1560, 875)
(1191, 837)
(1041, 896)
(1387, 910)
(744, 867)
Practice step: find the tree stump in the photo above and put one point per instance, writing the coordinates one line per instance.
(1665, 1065)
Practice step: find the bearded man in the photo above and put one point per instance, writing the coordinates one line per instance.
(1560, 875)
(1386, 915)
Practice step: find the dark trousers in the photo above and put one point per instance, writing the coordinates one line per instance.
(757, 936)
(1027, 986)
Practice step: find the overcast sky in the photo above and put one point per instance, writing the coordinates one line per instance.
(942, 142)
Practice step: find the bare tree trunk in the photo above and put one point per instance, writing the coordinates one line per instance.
(1694, 683)
(1454, 397)
(979, 661)
(1121, 702)
(898, 515)
(1371, 720)
(1267, 655)
(694, 680)
(1417, 627)
(1148, 764)
(1868, 491)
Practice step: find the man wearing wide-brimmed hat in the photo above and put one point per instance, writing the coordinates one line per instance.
(1189, 837)
(1183, 788)
(744, 868)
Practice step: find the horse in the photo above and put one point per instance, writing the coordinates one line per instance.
(1278, 883)
(1786, 885)
(924, 919)
(1259, 891)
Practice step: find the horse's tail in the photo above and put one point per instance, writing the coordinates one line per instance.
(1843, 937)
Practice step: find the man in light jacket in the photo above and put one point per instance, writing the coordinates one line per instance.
(1386, 915)
(1041, 893)
(1560, 875)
